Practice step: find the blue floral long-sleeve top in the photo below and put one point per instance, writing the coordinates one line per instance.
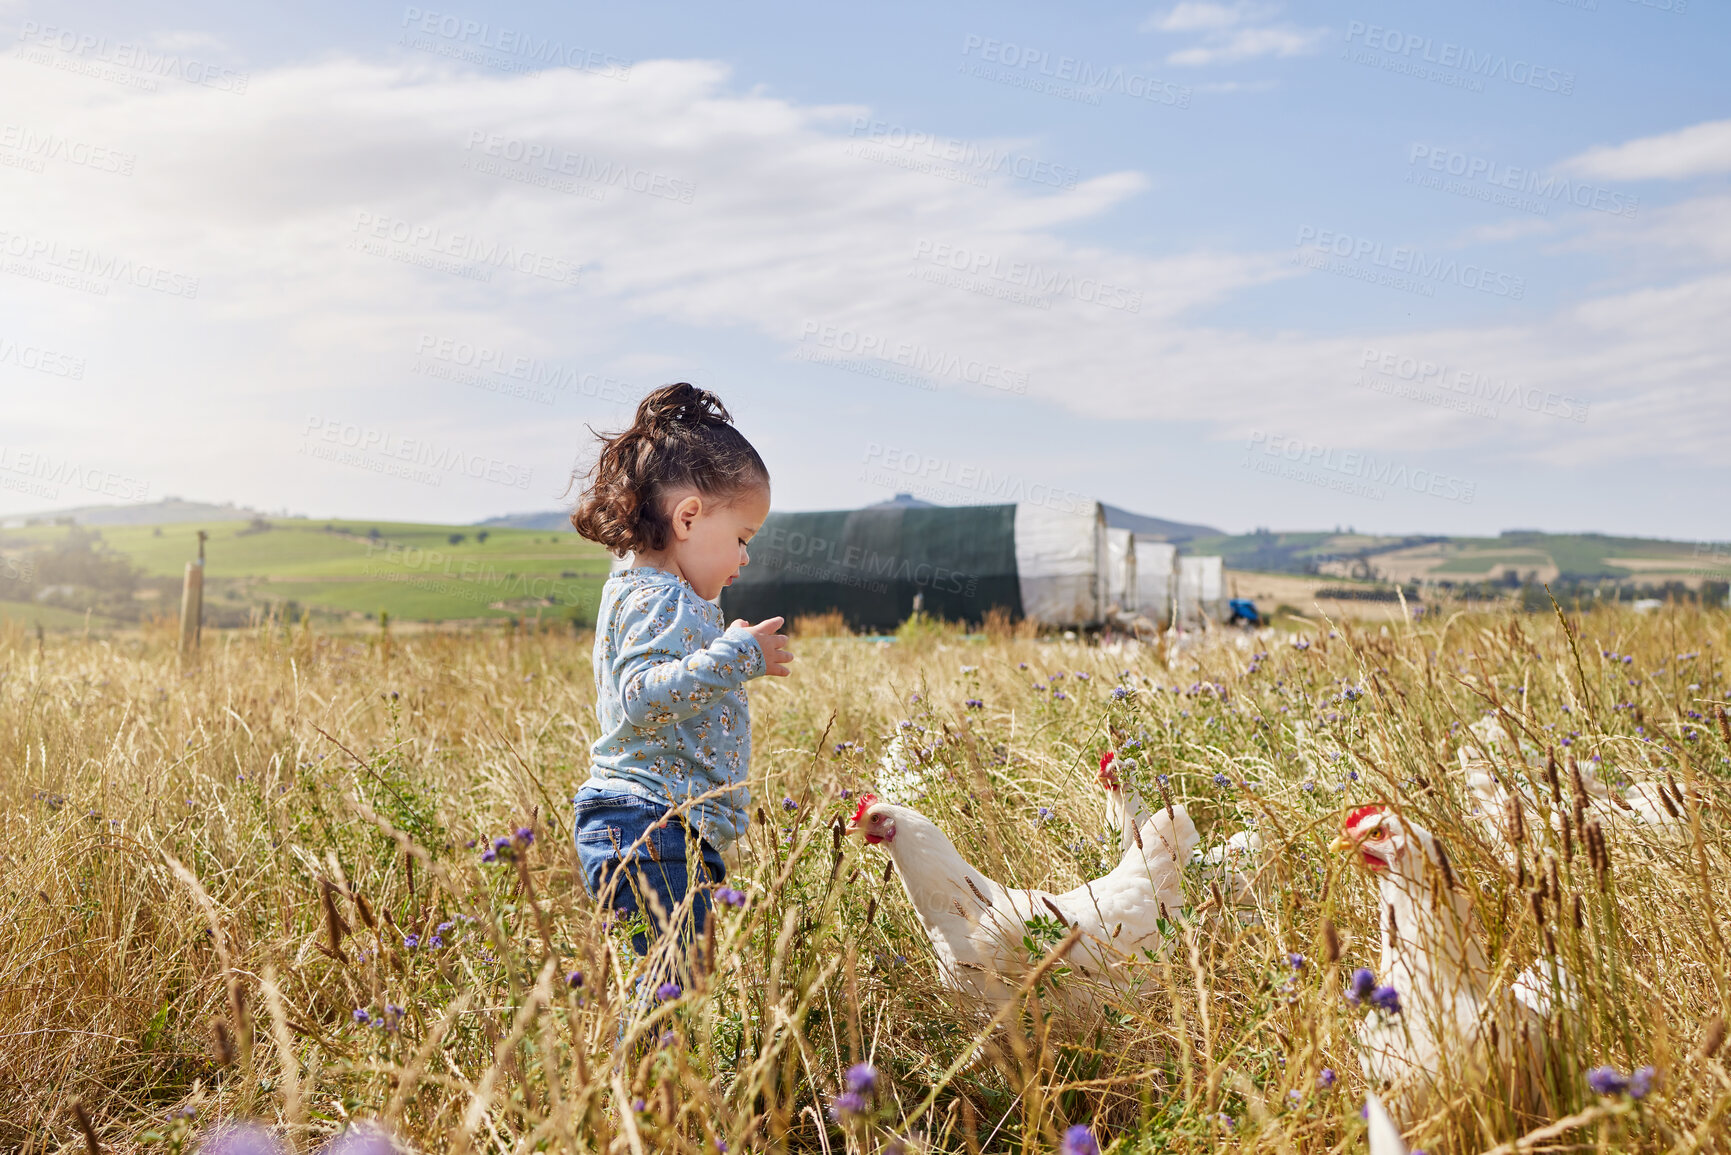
(670, 695)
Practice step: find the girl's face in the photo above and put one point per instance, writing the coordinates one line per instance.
(708, 547)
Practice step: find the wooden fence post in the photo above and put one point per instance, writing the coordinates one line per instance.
(192, 602)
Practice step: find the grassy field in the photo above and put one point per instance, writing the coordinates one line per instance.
(1551, 556)
(345, 574)
(212, 875)
(348, 570)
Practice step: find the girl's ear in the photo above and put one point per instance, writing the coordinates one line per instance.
(684, 514)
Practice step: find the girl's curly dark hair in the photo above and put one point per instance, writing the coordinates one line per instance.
(681, 437)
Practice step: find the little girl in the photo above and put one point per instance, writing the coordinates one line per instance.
(682, 491)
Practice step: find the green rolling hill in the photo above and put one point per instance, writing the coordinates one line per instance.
(336, 571)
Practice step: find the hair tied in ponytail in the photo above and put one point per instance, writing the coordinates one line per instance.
(680, 404)
(681, 437)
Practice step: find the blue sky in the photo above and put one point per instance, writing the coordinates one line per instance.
(1409, 267)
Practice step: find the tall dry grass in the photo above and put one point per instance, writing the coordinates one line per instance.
(211, 876)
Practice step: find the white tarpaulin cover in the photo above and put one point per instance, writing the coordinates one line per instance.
(1201, 590)
(1061, 564)
(1156, 563)
(1121, 569)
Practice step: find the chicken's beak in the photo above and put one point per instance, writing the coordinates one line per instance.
(886, 832)
(1346, 843)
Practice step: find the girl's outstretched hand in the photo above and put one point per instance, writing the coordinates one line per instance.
(776, 655)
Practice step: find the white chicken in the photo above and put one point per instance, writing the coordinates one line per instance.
(977, 927)
(1509, 802)
(901, 777)
(1232, 864)
(1436, 1022)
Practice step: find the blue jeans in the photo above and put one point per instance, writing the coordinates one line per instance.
(608, 825)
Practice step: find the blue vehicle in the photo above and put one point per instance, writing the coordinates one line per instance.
(1243, 610)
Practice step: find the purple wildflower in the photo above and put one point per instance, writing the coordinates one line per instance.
(574, 979)
(1326, 1078)
(525, 835)
(1079, 1140)
(1362, 985)
(361, 1015)
(241, 1139)
(727, 896)
(862, 1078)
(667, 992)
(1295, 961)
(362, 1140)
(846, 1105)
(1607, 1081)
(1641, 1082)
(789, 804)
(1386, 999)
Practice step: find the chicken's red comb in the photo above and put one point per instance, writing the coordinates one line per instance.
(866, 801)
(1363, 812)
(1106, 759)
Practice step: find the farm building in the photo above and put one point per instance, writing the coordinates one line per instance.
(876, 566)
(1156, 567)
(1201, 591)
(1120, 569)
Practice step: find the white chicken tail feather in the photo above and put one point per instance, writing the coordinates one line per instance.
(1545, 988)
(1384, 1135)
(1173, 834)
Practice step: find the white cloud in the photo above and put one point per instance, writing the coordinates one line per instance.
(264, 196)
(1230, 86)
(187, 40)
(1232, 32)
(1698, 150)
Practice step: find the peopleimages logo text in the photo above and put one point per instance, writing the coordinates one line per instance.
(1413, 47)
(431, 458)
(1090, 78)
(465, 247)
(83, 261)
(1022, 275)
(908, 470)
(581, 166)
(90, 48)
(1477, 386)
(54, 472)
(922, 359)
(1548, 187)
(1357, 467)
(966, 156)
(514, 42)
(1409, 261)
